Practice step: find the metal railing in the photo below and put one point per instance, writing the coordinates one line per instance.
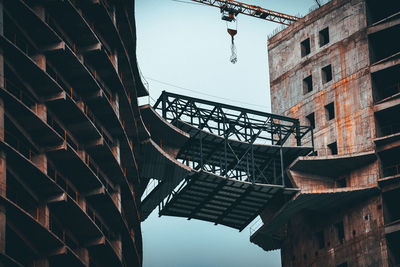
(105, 231)
(63, 182)
(47, 221)
(17, 92)
(22, 147)
(29, 102)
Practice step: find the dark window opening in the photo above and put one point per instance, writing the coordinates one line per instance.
(324, 37)
(305, 256)
(330, 110)
(377, 12)
(311, 119)
(333, 148)
(391, 209)
(321, 240)
(344, 264)
(341, 182)
(381, 46)
(326, 74)
(307, 85)
(305, 47)
(340, 231)
(386, 83)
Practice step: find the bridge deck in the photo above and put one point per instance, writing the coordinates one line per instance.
(216, 199)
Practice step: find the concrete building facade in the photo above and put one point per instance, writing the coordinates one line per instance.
(337, 69)
(70, 134)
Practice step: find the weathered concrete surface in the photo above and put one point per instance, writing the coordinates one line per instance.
(363, 90)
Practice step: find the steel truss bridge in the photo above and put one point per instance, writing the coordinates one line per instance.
(217, 162)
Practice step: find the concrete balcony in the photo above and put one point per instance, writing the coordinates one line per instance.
(334, 165)
(71, 20)
(384, 24)
(267, 236)
(38, 31)
(42, 83)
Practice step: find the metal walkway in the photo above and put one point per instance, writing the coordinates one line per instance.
(232, 160)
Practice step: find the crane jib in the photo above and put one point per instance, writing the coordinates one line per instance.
(233, 8)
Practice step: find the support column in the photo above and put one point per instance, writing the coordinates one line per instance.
(117, 244)
(40, 160)
(83, 254)
(114, 60)
(3, 170)
(116, 197)
(40, 59)
(44, 215)
(43, 262)
(2, 208)
(3, 175)
(1, 50)
(117, 151)
(115, 103)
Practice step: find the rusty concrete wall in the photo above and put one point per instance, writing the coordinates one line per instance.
(363, 234)
(350, 88)
(353, 129)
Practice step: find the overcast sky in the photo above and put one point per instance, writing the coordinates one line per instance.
(185, 48)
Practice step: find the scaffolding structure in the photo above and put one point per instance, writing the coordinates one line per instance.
(236, 157)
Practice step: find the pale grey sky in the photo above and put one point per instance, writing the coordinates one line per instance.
(187, 45)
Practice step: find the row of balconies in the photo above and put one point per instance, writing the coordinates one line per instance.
(74, 141)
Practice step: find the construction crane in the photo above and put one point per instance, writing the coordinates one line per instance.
(230, 9)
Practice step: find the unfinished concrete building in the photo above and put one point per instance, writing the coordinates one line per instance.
(70, 133)
(337, 69)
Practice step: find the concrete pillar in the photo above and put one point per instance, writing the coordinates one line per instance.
(117, 244)
(114, 59)
(117, 151)
(3, 166)
(82, 202)
(43, 262)
(3, 170)
(83, 254)
(82, 155)
(41, 111)
(44, 215)
(2, 208)
(40, 11)
(115, 103)
(2, 79)
(116, 197)
(2, 119)
(1, 51)
(113, 14)
(40, 59)
(40, 160)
